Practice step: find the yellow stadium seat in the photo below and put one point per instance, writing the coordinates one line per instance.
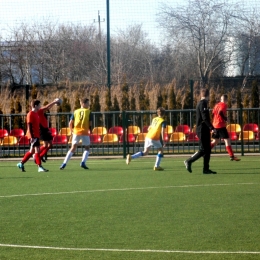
(177, 137)
(110, 139)
(65, 131)
(99, 130)
(247, 136)
(9, 140)
(133, 129)
(234, 128)
(168, 129)
(140, 138)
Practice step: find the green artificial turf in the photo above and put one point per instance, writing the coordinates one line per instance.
(119, 211)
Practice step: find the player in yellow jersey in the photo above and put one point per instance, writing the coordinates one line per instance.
(80, 123)
(154, 138)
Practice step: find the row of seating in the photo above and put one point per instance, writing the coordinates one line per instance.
(101, 130)
(115, 134)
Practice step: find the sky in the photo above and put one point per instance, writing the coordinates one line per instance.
(122, 13)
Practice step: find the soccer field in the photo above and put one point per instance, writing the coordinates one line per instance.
(119, 211)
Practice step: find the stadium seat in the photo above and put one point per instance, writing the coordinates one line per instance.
(133, 129)
(65, 131)
(177, 137)
(234, 128)
(140, 138)
(168, 130)
(60, 140)
(118, 130)
(130, 138)
(192, 138)
(145, 129)
(24, 141)
(3, 133)
(257, 136)
(247, 136)
(183, 128)
(9, 141)
(95, 139)
(233, 136)
(166, 137)
(53, 131)
(99, 130)
(251, 127)
(17, 132)
(110, 139)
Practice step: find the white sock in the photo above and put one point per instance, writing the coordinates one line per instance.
(158, 160)
(136, 155)
(85, 156)
(68, 156)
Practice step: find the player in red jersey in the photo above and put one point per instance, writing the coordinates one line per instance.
(219, 122)
(45, 133)
(33, 133)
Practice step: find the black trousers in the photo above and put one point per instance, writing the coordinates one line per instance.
(204, 147)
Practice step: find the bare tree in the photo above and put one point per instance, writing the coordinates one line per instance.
(204, 27)
(248, 43)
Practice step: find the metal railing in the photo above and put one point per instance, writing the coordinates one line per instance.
(127, 142)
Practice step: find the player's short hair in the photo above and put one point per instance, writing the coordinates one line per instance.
(84, 100)
(204, 92)
(35, 102)
(161, 110)
(225, 97)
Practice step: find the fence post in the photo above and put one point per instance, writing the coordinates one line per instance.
(242, 137)
(124, 124)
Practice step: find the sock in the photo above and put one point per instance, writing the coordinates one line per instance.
(85, 156)
(229, 150)
(42, 148)
(158, 159)
(37, 159)
(68, 156)
(44, 151)
(26, 157)
(136, 155)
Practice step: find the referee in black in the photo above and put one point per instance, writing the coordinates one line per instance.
(203, 130)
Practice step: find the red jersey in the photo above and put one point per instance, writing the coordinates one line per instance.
(33, 118)
(43, 119)
(218, 120)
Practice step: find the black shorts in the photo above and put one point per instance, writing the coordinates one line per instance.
(221, 133)
(45, 134)
(36, 143)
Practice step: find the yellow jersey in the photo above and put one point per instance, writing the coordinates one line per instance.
(81, 118)
(155, 128)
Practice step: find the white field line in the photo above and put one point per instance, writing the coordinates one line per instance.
(123, 189)
(129, 250)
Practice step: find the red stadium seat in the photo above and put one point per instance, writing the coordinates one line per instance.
(95, 139)
(53, 131)
(130, 138)
(24, 141)
(118, 130)
(183, 128)
(233, 136)
(192, 138)
(60, 140)
(3, 133)
(145, 129)
(251, 127)
(17, 132)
